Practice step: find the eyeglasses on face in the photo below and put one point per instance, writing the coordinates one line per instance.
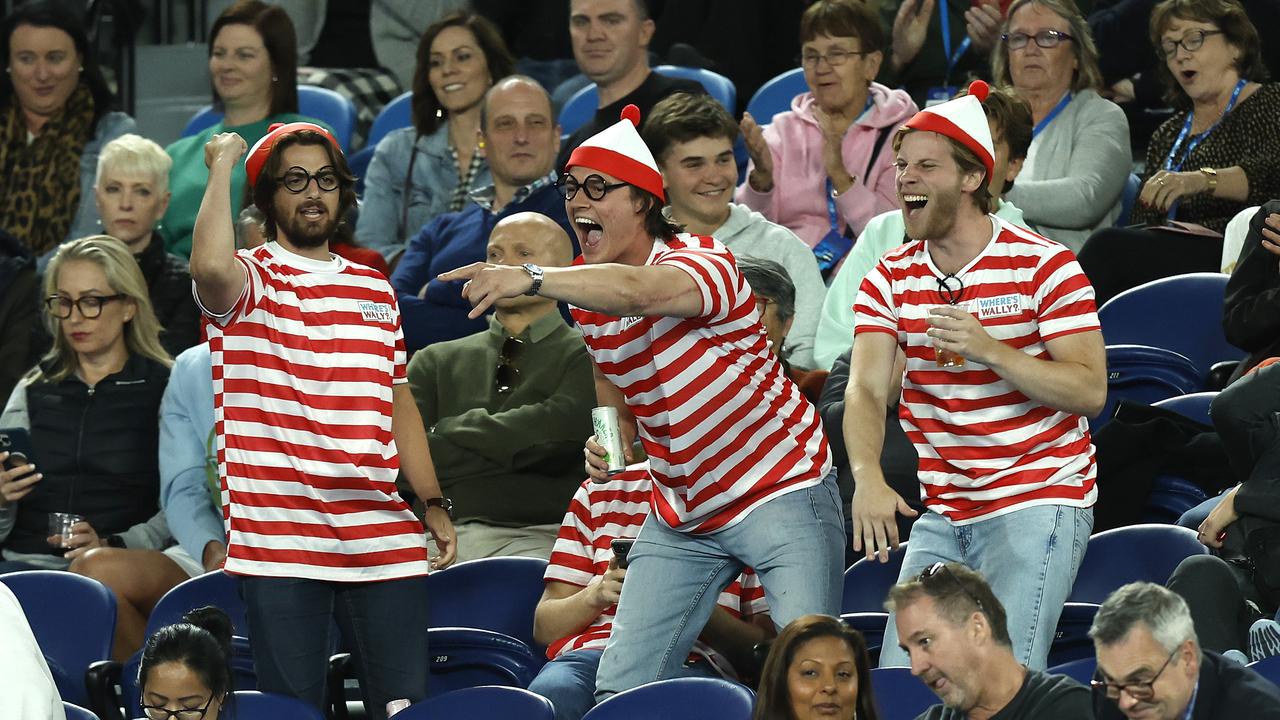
(507, 375)
(1044, 38)
(595, 186)
(156, 712)
(296, 179)
(1140, 691)
(940, 568)
(834, 57)
(1191, 41)
(90, 306)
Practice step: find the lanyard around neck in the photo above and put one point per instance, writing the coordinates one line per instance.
(1195, 141)
(952, 59)
(1062, 104)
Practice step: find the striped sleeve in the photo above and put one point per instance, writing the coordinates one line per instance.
(874, 309)
(752, 593)
(252, 289)
(719, 282)
(573, 555)
(1064, 298)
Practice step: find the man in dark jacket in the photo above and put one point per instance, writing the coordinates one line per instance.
(19, 311)
(1150, 664)
(1251, 313)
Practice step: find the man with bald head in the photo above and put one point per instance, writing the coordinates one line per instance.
(507, 408)
(519, 137)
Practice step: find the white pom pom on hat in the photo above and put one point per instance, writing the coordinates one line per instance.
(962, 120)
(619, 151)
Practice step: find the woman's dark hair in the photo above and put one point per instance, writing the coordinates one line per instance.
(264, 192)
(201, 642)
(843, 18)
(774, 700)
(656, 224)
(496, 55)
(1237, 30)
(49, 13)
(281, 41)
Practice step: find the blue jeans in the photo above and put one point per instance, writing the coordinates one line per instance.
(1195, 516)
(383, 624)
(569, 681)
(794, 542)
(1029, 558)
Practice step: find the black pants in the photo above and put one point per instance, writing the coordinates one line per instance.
(1216, 593)
(1116, 259)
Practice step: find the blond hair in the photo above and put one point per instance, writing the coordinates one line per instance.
(141, 333)
(136, 156)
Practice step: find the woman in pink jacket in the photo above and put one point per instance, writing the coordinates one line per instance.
(825, 167)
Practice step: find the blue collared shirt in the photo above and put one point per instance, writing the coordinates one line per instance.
(484, 196)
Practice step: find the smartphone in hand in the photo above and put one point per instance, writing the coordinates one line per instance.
(16, 442)
(621, 548)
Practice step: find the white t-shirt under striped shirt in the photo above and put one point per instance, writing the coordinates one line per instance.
(597, 515)
(724, 428)
(985, 448)
(303, 367)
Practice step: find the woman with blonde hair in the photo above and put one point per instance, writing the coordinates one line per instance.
(132, 193)
(1074, 175)
(91, 409)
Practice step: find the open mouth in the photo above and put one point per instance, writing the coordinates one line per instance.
(1188, 75)
(591, 231)
(312, 212)
(453, 87)
(914, 202)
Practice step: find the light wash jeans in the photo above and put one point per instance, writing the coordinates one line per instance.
(1029, 558)
(794, 542)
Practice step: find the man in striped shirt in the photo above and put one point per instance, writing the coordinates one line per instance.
(1004, 362)
(314, 420)
(741, 472)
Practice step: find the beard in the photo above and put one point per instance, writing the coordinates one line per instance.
(303, 233)
(937, 217)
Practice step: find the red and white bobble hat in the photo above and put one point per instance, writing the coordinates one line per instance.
(261, 150)
(619, 151)
(962, 120)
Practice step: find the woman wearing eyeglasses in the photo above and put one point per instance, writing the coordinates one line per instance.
(91, 408)
(185, 672)
(1071, 182)
(823, 168)
(1219, 154)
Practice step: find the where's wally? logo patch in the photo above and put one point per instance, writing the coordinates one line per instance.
(375, 312)
(998, 307)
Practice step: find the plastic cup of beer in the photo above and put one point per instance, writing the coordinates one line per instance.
(60, 525)
(947, 359)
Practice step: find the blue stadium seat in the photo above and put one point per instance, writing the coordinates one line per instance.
(1145, 375)
(1268, 668)
(359, 164)
(1071, 637)
(867, 582)
(775, 96)
(1171, 496)
(1132, 187)
(497, 594)
(1194, 405)
(872, 626)
(469, 657)
(579, 109)
(717, 86)
(901, 695)
(1128, 554)
(73, 619)
(488, 702)
(254, 705)
(75, 712)
(328, 106)
(678, 699)
(1081, 670)
(394, 115)
(1182, 313)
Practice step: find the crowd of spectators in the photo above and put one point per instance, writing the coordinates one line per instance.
(965, 235)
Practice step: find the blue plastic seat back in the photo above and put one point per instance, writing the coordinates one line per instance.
(775, 96)
(394, 115)
(1268, 668)
(1182, 313)
(1171, 496)
(359, 164)
(205, 117)
(1129, 554)
(1193, 405)
(489, 702)
(254, 705)
(867, 583)
(1128, 197)
(871, 625)
(678, 699)
(72, 617)
(1071, 639)
(1079, 670)
(468, 657)
(578, 109)
(717, 86)
(899, 694)
(1145, 375)
(497, 594)
(329, 106)
(75, 712)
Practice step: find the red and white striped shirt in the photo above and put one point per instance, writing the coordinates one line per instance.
(597, 515)
(303, 367)
(724, 428)
(985, 448)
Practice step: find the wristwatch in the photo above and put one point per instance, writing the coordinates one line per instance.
(535, 274)
(1212, 175)
(443, 503)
